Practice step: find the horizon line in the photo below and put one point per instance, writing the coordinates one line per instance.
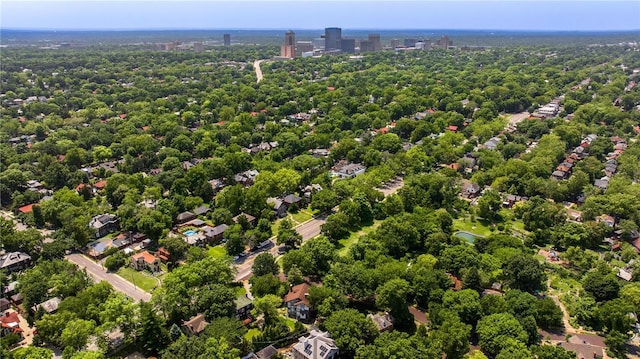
(303, 29)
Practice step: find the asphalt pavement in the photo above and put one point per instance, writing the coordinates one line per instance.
(99, 274)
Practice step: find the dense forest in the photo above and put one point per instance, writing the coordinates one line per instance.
(413, 204)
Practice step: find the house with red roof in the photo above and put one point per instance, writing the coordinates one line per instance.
(26, 209)
(100, 185)
(10, 324)
(145, 260)
(297, 302)
(452, 128)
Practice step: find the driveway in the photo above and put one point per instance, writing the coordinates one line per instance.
(99, 274)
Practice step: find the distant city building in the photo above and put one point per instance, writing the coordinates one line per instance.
(444, 42)
(288, 49)
(348, 46)
(198, 47)
(318, 44)
(410, 42)
(332, 38)
(375, 40)
(366, 46)
(303, 47)
(394, 43)
(227, 39)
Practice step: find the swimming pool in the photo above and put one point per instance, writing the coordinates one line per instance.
(469, 237)
(190, 232)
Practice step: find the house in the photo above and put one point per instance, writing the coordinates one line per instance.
(558, 175)
(4, 304)
(145, 260)
(201, 211)
(297, 303)
(606, 219)
(278, 206)
(624, 274)
(246, 178)
(104, 224)
(14, 261)
(318, 345)
(100, 185)
(195, 325)
(49, 306)
(9, 289)
(266, 353)
(10, 324)
(309, 191)
(602, 183)
(452, 128)
(470, 190)
(344, 169)
(216, 185)
(383, 321)
(163, 255)
(185, 217)
(251, 219)
(292, 200)
(214, 234)
(320, 153)
(26, 209)
(573, 215)
(243, 307)
(492, 143)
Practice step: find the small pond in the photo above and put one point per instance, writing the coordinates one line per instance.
(469, 237)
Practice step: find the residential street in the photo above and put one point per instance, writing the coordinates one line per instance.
(100, 274)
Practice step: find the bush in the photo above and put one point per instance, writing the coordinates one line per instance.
(115, 262)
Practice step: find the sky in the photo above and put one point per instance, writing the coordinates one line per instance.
(545, 15)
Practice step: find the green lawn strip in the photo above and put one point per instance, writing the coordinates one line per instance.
(477, 227)
(140, 279)
(251, 333)
(345, 244)
(218, 252)
(290, 323)
(302, 216)
(240, 291)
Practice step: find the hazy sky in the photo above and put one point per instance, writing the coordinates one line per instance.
(303, 14)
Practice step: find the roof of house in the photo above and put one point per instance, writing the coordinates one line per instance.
(201, 210)
(291, 199)
(49, 306)
(100, 184)
(317, 345)
(249, 217)
(184, 216)
(146, 256)
(382, 320)
(11, 258)
(267, 352)
(276, 203)
(26, 209)
(298, 293)
(10, 320)
(196, 324)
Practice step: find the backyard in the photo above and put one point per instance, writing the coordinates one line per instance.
(218, 252)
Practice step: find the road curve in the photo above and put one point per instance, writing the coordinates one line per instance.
(99, 274)
(256, 67)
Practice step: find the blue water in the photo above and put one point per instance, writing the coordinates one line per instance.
(466, 235)
(190, 232)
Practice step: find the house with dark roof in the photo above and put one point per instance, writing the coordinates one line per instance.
(201, 211)
(383, 321)
(251, 219)
(266, 353)
(297, 303)
(185, 217)
(104, 224)
(292, 200)
(602, 183)
(14, 261)
(278, 206)
(214, 234)
(195, 325)
(243, 307)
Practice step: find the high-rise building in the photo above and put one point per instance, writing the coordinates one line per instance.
(444, 42)
(318, 43)
(227, 39)
(410, 42)
(375, 40)
(198, 46)
(288, 49)
(366, 46)
(332, 38)
(348, 46)
(394, 43)
(303, 46)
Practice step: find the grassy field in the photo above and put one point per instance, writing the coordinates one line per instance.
(345, 244)
(251, 333)
(477, 227)
(217, 252)
(141, 279)
(302, 216)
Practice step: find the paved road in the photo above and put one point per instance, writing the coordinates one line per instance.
(307, 230)
(256, 66)
(99, 274)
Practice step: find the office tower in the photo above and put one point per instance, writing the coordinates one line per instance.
(332, 38)
(198, 46)
(375, 40)
(288, 49)
(410, 42)
(395, 43)
(348, 46)
(227, 39)
(318, 43)
(303, 47)
(444, 42)
(366, 46)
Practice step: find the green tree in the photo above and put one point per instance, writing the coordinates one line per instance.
(151, 334)
(264, 263)
(350, 330)
(453, 336)
(31, 352)
(268, 307)
(287, 235)
(218, 348)
(601, 286)
(549, 314)
(496, 329)
(77, 332)
(524, 272)
(489, 205)
(392, 296)
(551, 352)
(466, 303)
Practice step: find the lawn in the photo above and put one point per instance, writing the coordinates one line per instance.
(480, 228)
(252, 333)
(240, 291)
(140, 279)
(302, 216)
(218, 252)
(345, 244)
(290, 323)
